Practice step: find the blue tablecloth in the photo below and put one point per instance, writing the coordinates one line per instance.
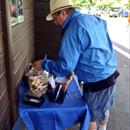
(54, 116)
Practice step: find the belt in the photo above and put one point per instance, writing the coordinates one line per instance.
(102, 84)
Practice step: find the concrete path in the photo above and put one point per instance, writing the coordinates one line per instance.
(120, 114)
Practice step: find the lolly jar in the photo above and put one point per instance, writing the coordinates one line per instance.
(38, 82)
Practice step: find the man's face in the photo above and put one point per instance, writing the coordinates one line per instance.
(59, 17)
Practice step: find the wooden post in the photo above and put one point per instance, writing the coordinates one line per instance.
(6, 24)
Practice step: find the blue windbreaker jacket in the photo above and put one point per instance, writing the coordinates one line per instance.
(86, 49)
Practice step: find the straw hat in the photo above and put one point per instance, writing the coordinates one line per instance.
(57, 5)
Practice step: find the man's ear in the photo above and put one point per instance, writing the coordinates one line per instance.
(64, 13)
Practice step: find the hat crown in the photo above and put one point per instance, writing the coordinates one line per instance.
(57, 4)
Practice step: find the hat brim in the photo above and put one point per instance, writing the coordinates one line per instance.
(49, 16)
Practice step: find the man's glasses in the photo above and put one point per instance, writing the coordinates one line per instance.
(55, 15)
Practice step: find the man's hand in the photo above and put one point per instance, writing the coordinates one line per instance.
(69, 78)
(37, 64)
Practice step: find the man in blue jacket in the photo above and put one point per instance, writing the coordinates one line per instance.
(87, 50)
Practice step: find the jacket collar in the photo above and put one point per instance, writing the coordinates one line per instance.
(69, 19)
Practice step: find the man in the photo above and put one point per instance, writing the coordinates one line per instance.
(87, 50)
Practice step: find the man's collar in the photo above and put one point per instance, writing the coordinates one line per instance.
(69, 18)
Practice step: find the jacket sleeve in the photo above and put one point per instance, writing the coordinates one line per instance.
(70, 51)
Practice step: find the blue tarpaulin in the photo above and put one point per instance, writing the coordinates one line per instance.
(54, 116)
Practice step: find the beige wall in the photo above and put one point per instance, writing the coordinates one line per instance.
(4, 100)
(21, 52)
(21, 46)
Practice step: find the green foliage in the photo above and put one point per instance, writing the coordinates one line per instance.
(102, 4)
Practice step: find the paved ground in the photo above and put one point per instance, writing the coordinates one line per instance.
(120, 34)
(120, 114)
(119, 31)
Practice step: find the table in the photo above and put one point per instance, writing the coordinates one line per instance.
(54, 116)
